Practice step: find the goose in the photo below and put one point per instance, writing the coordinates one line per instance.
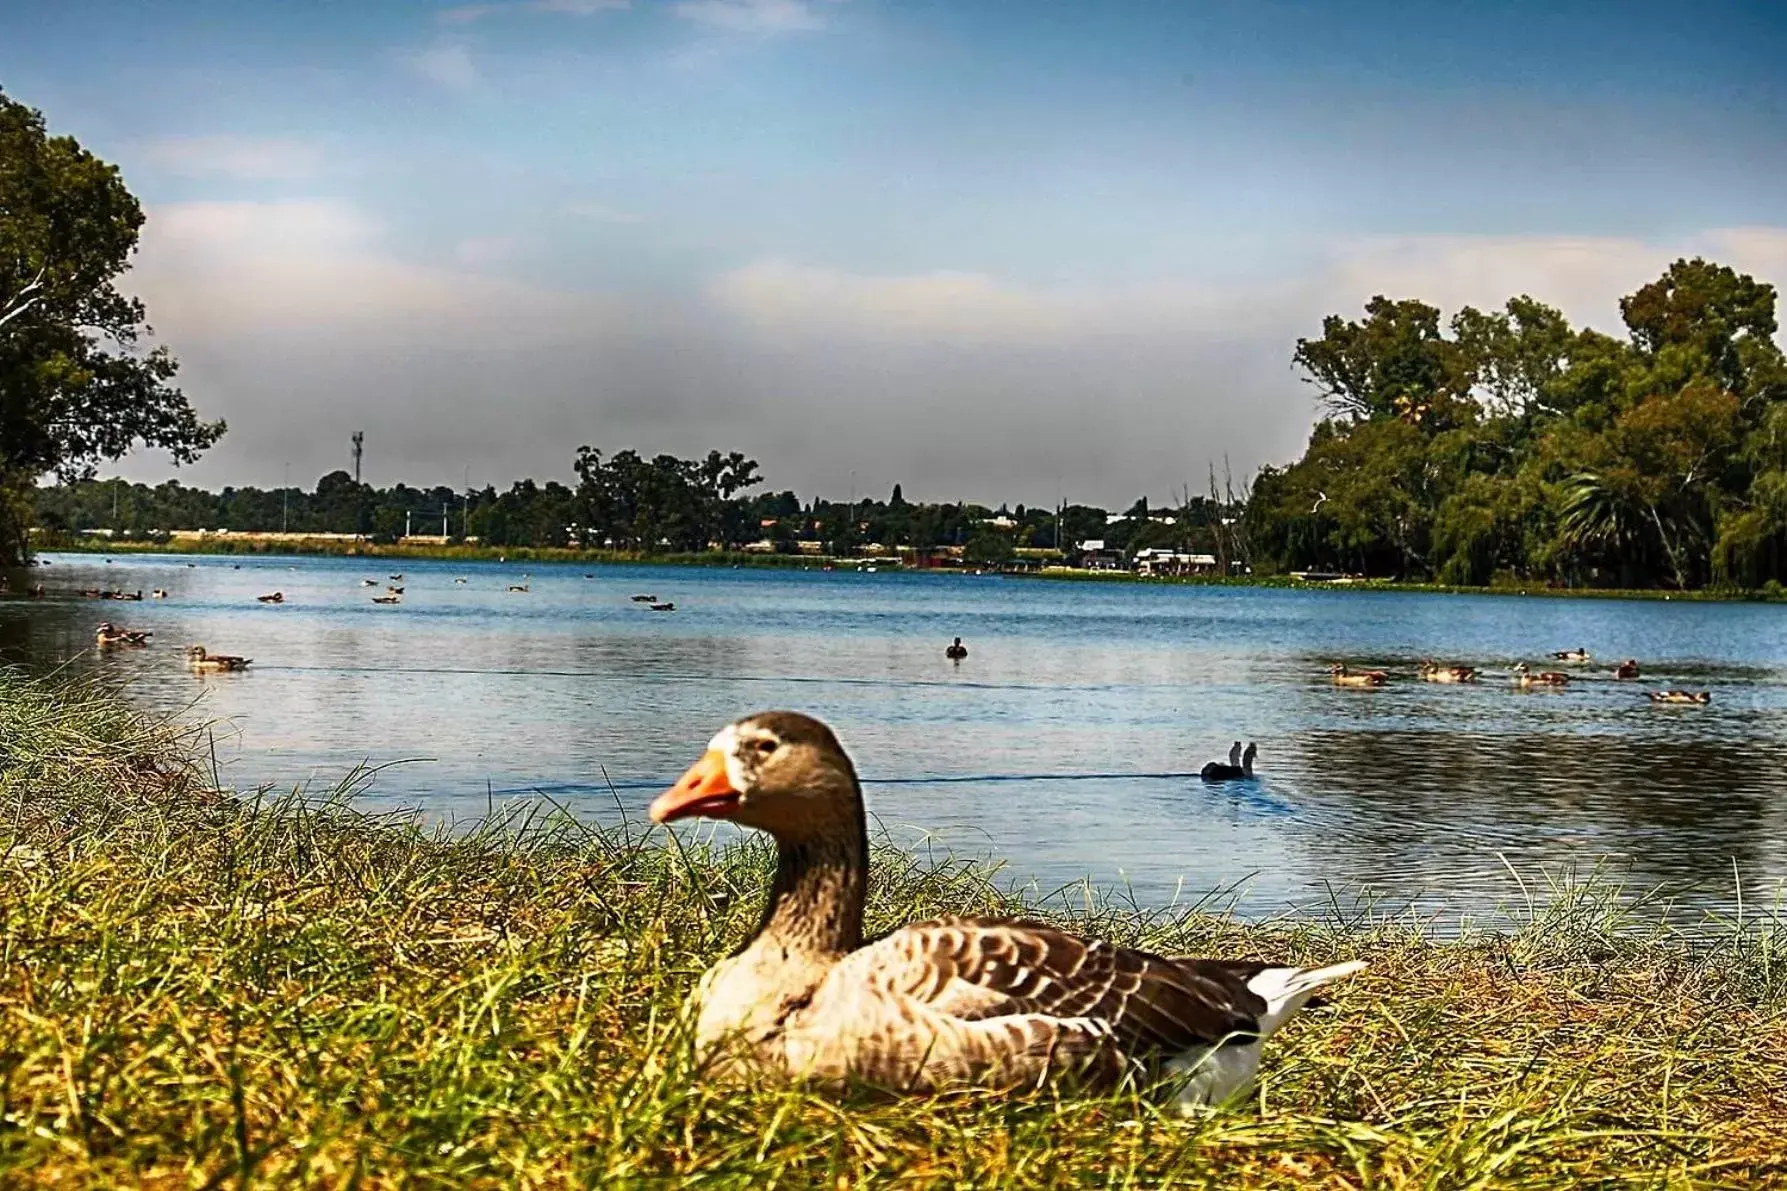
(1524, 677)
(1626, 669)
(369, 583)
(644, 599)
(1571, 655)
(1344, 677)
(1240, 765)
(664, 607)
(1679, 696)
(277, 597)
(397, 578)
(389, 590)
(521, 587)
(1432, 671)
(388, 598)
(110, 634)
(160, 593)
(956, 651)
(1002, 1003)
(200, 660)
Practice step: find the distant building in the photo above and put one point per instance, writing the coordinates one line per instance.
(1160, 561)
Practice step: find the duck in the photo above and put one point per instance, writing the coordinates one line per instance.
(109, 634)
(1627, 669)
(199, 659)
(1679, 696)
(997, 1003)
(1432, 671)
(388, 598)
(398, 578)
(393, 590)
(955, 651)
(667, 606)
(160, 593)
(369, 583)
(277, 597)
(1524, 677)
(1344, 677)
(644, 599)
(459, 582)
(521, 587)
(1571, 655)
(1240, 765)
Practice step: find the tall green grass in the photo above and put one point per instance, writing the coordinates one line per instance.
(206, 989)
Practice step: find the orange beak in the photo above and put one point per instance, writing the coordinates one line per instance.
(703, 790)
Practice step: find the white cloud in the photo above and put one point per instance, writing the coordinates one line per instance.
(251, 158)
(753, 16)
(601, 213)
(447, 65)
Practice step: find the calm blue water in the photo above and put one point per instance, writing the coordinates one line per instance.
(1067, 744)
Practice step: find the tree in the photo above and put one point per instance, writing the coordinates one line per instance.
(79, 382)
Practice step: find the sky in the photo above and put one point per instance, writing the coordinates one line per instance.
(994, 250)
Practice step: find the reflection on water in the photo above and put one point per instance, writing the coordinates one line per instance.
(1068, 743)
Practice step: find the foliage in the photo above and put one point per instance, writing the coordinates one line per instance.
(1509, 443)
(203, 989)
(79, 382)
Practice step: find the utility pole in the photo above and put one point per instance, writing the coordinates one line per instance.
(406, 523)
(359, 495)
(285, 500)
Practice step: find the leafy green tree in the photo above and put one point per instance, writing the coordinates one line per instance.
(79, 382)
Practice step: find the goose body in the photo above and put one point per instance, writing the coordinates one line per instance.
(955, 651)
(388, 598)
(1627, 669)
(1341, 676)
(1004, 1003)
(1240, 765)
(1524, 677)
(277, 597)
(664, 607)
(1432, 671)
(1679, 696)
(110, 634)
(199, 659)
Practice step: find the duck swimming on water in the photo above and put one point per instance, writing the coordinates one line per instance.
(955, 651)
(1344, 677)
(1240, 765)
(1524, 677)
(1679, 696)
(996, 1003)
(1432, 671)
(1571, 655)
(1627, 669)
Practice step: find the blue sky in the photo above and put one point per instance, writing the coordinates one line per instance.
(987, 248)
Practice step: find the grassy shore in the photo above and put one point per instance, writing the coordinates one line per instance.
(202, 989)
(723, 558)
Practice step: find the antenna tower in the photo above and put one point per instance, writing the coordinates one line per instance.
(359, 449)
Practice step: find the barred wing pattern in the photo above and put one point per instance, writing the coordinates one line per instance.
(1007, 1001)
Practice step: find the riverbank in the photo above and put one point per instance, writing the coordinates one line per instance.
(204, 988)
(243, 546)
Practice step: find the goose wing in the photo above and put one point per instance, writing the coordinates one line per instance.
(977, 969)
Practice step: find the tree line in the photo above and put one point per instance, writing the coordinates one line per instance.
(624, 502)
(1509, 444)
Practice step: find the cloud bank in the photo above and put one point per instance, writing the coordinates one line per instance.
(296, 322)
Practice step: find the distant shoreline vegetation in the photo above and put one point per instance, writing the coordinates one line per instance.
(1053, 570)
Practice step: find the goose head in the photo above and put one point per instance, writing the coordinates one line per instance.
(778, 771)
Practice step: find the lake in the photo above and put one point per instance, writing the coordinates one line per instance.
(1067, 744)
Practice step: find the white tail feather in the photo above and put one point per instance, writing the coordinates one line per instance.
(1286, 989)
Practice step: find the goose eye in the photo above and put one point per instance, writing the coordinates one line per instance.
(765, 747)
